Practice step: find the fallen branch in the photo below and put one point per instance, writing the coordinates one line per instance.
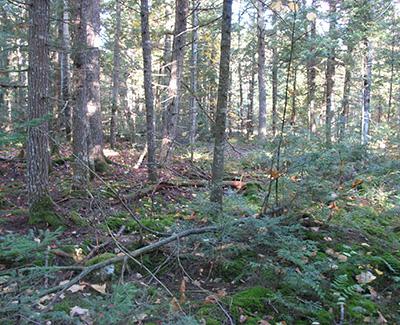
(140, 251)
(141, 158)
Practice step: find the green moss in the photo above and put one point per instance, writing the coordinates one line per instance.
(42, 212)
(252, 300)
(99, 258)
(100, 166)
(69, 302)
(77, 219)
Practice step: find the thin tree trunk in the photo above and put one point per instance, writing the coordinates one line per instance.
(293, 114)
(193, 78)
(80, 123)
(262, 98)
(311, 75)
(174, 87)
(240, 74)
(346, 95)
(366, 92)
(330, 75)
(274, 76)
(222, 101)
(38, 104)
(116, 73)
(392, 62)
(65, 107)
(250, 108)
(148, 91)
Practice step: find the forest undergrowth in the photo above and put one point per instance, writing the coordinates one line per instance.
(325, 250)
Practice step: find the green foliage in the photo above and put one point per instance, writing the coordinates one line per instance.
(42, 212)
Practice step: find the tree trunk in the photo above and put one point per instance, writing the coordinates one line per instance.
(116, 73)
(330, 75)
(392, 63)
(346, 95)
(250, 108)
(174, 87)
(38, 104)
(220, 116)
(311, 75)
(65, 107)
(262, 98)
(293, 115)
(274, 76)
(96, 141)
(193, 78)
(366, 91)
(148, 90)
(80, 123)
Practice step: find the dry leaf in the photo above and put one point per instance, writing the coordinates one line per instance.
(311, 16)
(175, 304)
(365, 277)
(182, 290)
(276, 6)
(342, 258)
(381, 319)
(211, 299)
(356, 183)
(242, 319)
(78, 311)
(293, 6)
(373, 292)
(379, 272)
(99, 287)
(76, 288)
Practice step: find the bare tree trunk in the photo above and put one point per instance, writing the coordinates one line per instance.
(96, 141)
(311, 75)
(392, 63)
(80, 123)
(38, 104)
(330, 75)
(366, 92)
(220, 116)
(346, 95)
(174, 87)
(148, 91)
(262, 97)
(293, 115)
(274, 77)
(240, 74)
(250, 108)
(116, 73)
(193, 78)
(65, 107)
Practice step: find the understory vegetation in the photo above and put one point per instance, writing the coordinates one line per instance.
(326, 250)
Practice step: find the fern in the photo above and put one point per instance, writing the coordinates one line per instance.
(342, 287)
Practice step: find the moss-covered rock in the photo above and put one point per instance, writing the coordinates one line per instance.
(100, 166)
(42, 212)
(77, 219)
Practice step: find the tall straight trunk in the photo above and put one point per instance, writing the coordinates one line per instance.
(164, 78)
(346, 95)
(65, 107)
(367, 78)
(38, 103)
(80, 122)
(330, 75)
(148, 90)
(174, 87)
(312, 74)
(222, 101)
(96, 141)
(240, 74)
(293, 114)
(274, 76)
(193, 78)
(250, 108)
(116, 73)
(392, 63)
(262, 97)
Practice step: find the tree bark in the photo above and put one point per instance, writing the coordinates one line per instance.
(116, 75)
(148, 90)
(96, 141)
(80, 122)
(65, 107)
(262, 97)
(38, 103)
(274, 76)
(366, 91)
(174, 87)
(346, 94)
(311, 75)
(220, 116)
(250, 108)
(193, 78)
(330, 75)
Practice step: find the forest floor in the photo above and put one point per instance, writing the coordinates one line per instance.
(325, 250)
